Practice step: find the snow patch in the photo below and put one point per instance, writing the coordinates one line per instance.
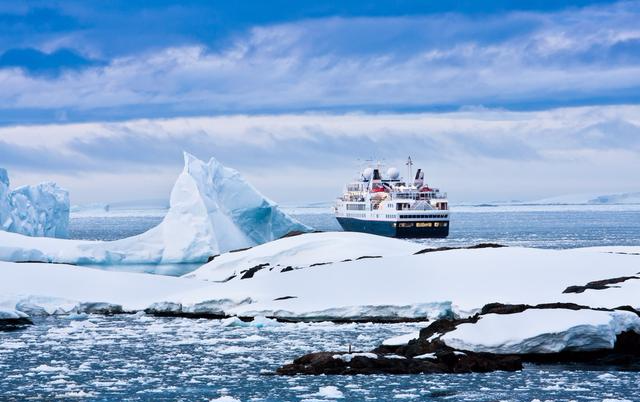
(401, 339)
(347, 357)
(543, 331)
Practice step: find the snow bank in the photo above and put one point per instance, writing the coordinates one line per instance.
(431, 285)
(212, 210)
(543, 331)
(304, 251)
(36, 210)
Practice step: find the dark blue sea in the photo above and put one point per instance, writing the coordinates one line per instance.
(142, 358)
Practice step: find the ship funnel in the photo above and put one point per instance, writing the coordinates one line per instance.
(419, 180)
(376, 174)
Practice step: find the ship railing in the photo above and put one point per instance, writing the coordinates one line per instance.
(420, 196)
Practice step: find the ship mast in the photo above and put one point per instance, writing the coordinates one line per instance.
(409, 165)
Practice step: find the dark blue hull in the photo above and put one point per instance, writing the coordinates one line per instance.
(396, 229)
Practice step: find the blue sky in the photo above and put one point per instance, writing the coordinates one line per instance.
(85, 83)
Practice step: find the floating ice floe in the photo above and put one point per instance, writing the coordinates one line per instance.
(34, 210)
(212, 210)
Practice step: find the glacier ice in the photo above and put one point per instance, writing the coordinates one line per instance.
(36, 210)
(212, 210)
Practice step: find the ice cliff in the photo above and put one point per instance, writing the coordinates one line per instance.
(38, 210)
(212, 210)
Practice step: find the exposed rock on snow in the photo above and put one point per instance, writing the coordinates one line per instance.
(36, 210)
(410, 287)
(599, 285)
(435, 358)
(303, 251)
(212, 210)
(493, 342)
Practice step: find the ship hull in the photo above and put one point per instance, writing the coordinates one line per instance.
(394, 229)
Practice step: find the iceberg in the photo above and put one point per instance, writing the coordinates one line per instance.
(36, 210)
(212, 210)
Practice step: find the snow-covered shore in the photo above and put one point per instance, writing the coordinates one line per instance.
(555, 300)
(400, 285)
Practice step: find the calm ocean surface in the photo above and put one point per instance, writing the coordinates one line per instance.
(140, 358)
(550, 227)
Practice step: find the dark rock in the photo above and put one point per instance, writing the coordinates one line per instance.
(499, 308)
(475, 246)
(14, 324)
(443, 359)
(285, 298)
(446, 360)
(599, 285)
(212, 257)
(368, 256)
(294, 233)
(239, 250)
(287, 269)
(251, 271)
(319, 263)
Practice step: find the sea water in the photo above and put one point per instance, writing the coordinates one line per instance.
(528, 226)
(142, 358)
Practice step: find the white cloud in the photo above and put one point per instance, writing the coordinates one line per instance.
(479, 154)
(354, 63)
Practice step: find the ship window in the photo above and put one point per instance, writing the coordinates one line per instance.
(436, 224)
(406, 224)
(423, 224)
(444, 224)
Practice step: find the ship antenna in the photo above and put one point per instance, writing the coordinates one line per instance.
(409, 165)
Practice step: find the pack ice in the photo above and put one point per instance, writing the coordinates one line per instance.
(35, 210)
(212, 210)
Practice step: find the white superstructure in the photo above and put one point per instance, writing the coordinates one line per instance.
(384, 203)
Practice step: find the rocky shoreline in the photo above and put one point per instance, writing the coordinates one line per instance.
(428, 353)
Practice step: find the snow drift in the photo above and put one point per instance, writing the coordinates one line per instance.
(543, 331)
(431, 285)
(212, 210)
(35, 210)
(304, 251)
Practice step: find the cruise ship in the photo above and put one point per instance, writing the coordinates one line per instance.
(383, 203)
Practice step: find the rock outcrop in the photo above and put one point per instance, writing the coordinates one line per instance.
(430, 352)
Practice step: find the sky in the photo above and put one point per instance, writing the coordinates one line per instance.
(495, 100)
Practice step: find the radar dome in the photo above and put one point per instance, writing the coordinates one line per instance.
(367, 173)
(393, 174)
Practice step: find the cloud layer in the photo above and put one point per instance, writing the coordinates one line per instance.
(444, 61)
(479, 155)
